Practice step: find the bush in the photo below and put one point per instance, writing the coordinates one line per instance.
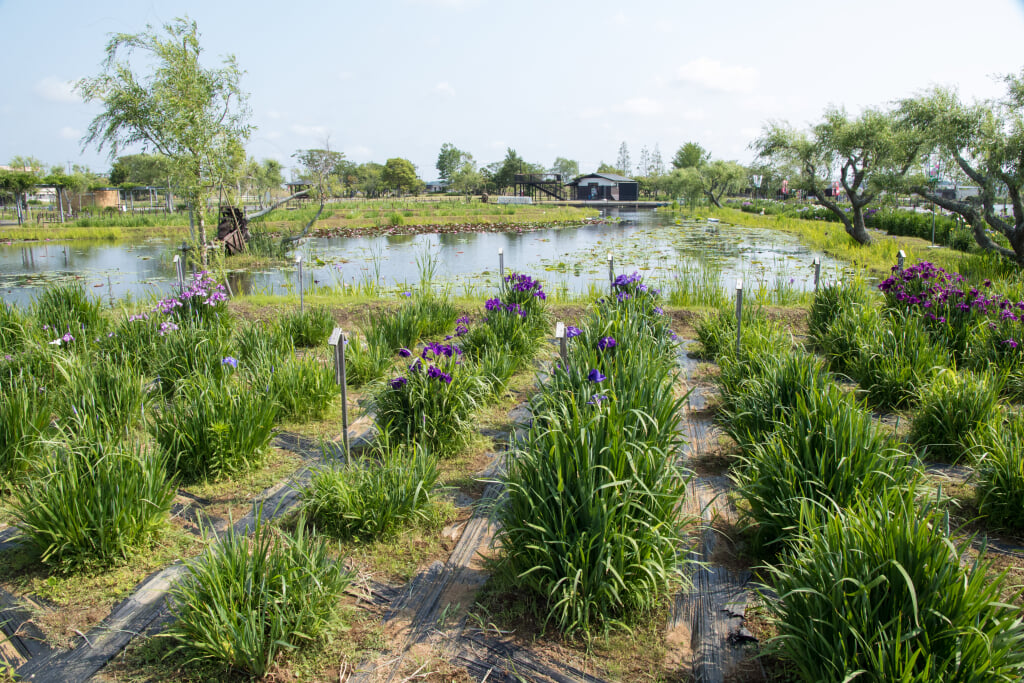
(998, 450)
(369, 498)
(830, 302)
(881, 593)
(249, 599)
(953, 408)
(307, 329)
(815, 464)
(214, 428)
(93, 504)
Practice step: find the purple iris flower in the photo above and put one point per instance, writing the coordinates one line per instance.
(606, 343)
(596, 376)
(572, 331)
(404, 352)
(228, 360)
(399, 382)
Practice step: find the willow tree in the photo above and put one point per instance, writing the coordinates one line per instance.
(867, 154)
(171, 105)
(984, 140)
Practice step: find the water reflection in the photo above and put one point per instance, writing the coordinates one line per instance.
(566, 258)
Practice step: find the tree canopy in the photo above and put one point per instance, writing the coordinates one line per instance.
(400, 174)
(690, 155)
(983, 140)
(867, 155)
(196, 117)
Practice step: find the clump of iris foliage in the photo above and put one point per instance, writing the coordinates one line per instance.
(433, 400)
(863, 577)
(81, 386)
(371, 497)
(251, 598)
(591, 527)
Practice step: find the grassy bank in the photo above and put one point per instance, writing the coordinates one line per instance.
(831, 238)
(363, 215)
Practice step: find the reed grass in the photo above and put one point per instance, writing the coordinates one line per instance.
(953, 408)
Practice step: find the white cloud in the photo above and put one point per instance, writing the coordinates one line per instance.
(53, 89)
(591, 112)
(445, 88)
(713, 75)
(69, 133)
(644, 106)
(272, 135)
(314, 131)
(273, 114)
(358, 153)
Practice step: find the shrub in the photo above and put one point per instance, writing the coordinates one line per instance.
(998, 450)
(371, 497)
(307, 329)
(249, 599)
(881, 593)
(214, 428)
(93, 503)
(825, 454)
(953, 408)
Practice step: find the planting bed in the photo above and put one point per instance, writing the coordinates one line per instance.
(635, 507)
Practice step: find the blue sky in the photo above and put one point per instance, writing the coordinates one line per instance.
(393, 78)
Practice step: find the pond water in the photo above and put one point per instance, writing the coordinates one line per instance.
(566, 259)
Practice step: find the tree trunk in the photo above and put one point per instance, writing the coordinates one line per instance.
(971, 215)
(858, 230)
(203, 256)
(60, 202)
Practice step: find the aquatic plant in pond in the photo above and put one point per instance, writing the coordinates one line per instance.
(880, 592)
(249, 599)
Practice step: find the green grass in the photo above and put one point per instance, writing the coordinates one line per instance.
(998, 454)
(953, 409)
(93, 505)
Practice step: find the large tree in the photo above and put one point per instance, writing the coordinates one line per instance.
(718, 178)
(400, 174)
(15, 184)
(169, 103)
(567, 168)
(140, 169)
(984, 141)
(867, 155)
(623, 161)
(690, 155)
(449, 161)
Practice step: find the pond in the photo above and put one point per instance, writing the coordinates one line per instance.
(567, 259)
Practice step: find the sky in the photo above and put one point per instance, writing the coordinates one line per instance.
(398, 78)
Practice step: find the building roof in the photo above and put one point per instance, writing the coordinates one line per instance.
(614, 177)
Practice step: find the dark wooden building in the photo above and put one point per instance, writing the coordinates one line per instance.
(598, 186)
